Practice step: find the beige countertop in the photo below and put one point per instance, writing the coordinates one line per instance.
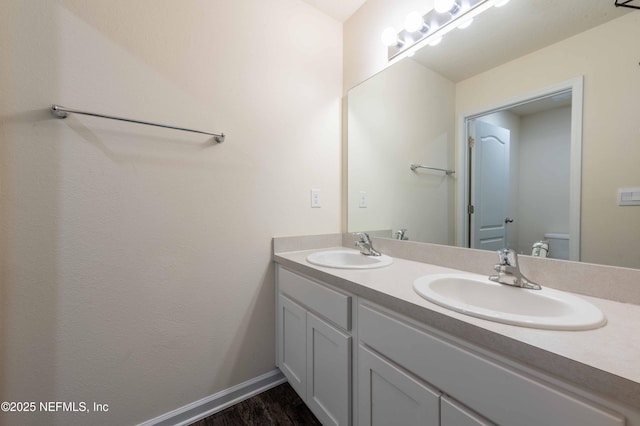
(605, 361)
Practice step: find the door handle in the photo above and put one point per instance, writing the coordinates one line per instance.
(508, 220)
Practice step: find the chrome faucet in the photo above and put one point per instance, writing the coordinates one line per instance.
(509, 271)
(365, 245)
(401, 234)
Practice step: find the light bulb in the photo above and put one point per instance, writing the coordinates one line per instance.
(390, 37)
(501, 3)
(413, 22)
(436, 41)
(465, 24)
(444, 6)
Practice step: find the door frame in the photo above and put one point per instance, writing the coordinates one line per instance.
(576, 86)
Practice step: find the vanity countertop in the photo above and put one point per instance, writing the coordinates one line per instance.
(605, 361)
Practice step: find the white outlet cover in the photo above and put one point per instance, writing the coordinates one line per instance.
(315, 198)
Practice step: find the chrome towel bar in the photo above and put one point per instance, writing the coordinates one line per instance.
(62, 112)
(418, 166)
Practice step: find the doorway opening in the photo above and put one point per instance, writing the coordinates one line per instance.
(520, 172)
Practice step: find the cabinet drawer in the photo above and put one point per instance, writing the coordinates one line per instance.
(330, 304)
(501, 394)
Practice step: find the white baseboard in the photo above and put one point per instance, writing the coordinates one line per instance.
(212, 404)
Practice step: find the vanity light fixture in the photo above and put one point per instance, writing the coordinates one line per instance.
(465, 24)
(414, 22)
(446, 6)
(435, 41)
(429, 29)
(390, 38)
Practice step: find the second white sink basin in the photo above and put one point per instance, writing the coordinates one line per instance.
(479, 297)
(348, 259)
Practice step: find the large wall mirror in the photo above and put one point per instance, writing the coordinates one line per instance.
(529, 115)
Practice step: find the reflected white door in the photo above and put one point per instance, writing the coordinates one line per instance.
(489, 186)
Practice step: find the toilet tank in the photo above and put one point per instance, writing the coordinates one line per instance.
(558, 245)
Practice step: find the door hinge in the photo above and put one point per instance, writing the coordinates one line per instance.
(471, 141)
(470, 209)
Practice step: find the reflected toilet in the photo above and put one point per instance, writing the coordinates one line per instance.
(558, 245)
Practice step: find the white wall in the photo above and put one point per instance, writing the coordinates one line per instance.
(543, 196)
(402, 116)
(136, 261)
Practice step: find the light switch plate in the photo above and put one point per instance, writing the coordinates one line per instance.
(362, 199)
(629, 196)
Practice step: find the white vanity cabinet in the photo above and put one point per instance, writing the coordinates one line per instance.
(293, 344)
(315, 345)
(405, 372)
(454, 414)
(471, 388)
(388, 394)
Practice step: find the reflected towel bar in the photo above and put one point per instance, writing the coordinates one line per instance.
(418, 166)
(62, 112)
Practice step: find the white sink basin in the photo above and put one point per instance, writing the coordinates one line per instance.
(479, 297)
(348, 259)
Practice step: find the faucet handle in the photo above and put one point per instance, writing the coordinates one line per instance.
(400, 234)
(508, 257)
(365, 245)
(509, 273)
(363, 236)
(503, 256)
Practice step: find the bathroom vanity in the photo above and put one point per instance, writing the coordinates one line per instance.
(361, 347)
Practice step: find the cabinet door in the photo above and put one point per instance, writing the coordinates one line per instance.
(485, 385)
(293, 344)
(328, 372)
(389, 396)
(454, 414)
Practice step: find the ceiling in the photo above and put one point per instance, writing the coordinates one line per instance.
(503, 34)
(340, 10)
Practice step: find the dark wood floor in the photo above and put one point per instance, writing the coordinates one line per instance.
(277, 406)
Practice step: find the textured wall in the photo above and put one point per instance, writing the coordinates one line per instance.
(136, 261)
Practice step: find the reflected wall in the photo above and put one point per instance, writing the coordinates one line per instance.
(401, 117)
